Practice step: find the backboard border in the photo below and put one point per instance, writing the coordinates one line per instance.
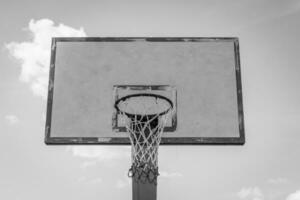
(125, 141)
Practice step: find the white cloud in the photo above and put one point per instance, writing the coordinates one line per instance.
(278, 181)
(123, 183)
(96, 181)
(12, 119)
(165, 174)
(34, 55)
(251, 193)
(81, 179)
(84, 179)
(43, 117)
(87, 164)
(294, 196)
(99, 153)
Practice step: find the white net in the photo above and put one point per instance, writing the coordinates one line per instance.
(145, 118)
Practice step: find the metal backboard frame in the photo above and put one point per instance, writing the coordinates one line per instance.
(49, 139)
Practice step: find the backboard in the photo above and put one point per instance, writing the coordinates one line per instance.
(201, 76)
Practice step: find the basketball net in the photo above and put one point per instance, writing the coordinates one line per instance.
(145, 130)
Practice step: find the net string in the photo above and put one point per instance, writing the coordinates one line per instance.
(145, 135)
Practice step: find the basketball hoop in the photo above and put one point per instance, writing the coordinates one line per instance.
(145, 116)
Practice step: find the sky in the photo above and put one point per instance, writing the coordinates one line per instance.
(265, 168)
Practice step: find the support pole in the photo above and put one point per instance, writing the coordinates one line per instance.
(143, 191)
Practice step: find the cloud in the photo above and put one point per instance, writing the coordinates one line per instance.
(294, 196)
(96, 181)
(278, 181)
(88, 164)
(123, 183)
(43, 117)
(12, 119)
(34, 55)
(251, 193)
(99, 153)
(84, 179)
(165, 174)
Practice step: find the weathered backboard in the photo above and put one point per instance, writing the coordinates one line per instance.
(201, 76)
